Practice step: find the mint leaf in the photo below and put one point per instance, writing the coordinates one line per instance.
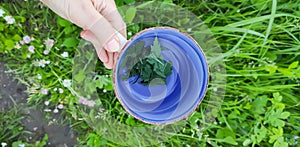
(146, 64)
(156, 49)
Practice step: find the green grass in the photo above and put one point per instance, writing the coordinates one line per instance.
(260, 46)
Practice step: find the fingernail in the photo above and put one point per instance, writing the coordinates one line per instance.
(82, 34)
(113, 45)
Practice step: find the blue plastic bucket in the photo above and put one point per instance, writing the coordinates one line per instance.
(185, 88)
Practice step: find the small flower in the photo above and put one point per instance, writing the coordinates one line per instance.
(47, 110)
(27, 39)
(2, 12)
(82, 100)
(43, 62)
(91, 103)
(296, 137)
(9, 19)
(31, 49)
(3, 144)
(55, 89)
(46, 52)
(189, 29)
(39, 76)
(60, 90)
(44, 91)
(67, 83)
(215, 89)
(28, 56)
(55, 111)
(22, 145)
(104, 90)
(17, 46)
(129, 33)
(60, 106)
(65, 54)
(49, 43)
(46, 103)
(22, 42)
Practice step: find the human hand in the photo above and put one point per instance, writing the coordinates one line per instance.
(100, 21)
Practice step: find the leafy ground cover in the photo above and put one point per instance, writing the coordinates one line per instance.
(260, 45)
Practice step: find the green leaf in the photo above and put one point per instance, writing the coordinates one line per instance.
(259, 104)
(20, 18)
(16, 37)
(271, 68)
(156, 49)
(71, 42)
(225, 132)
(230, 140)
(68, 30)
(63, 23)
(298, 74)
(44, 141)
(9, 44)
(130, 121)
(99, 84)
(294, 65)
(130, 14)
(277, 97)
(271, 56)
(284, 115)
(246, 142)
(260, 134)
(147, 67)
(109, 86)
(2, 27)
(278, 123)
(286, 72)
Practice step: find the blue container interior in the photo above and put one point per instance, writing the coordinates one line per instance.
(184, 89)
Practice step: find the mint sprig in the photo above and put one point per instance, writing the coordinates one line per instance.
(147, 64)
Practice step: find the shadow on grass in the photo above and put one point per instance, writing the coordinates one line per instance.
(21, 121)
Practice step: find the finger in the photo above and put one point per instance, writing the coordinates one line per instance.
(111, 22)
(106, 35)
(101, 52)
(108, 9)
(110, 63)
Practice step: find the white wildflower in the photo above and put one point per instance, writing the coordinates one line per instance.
(65, 54)
(67, 83)
(9, 19)
(42, 63)
(49, 43)
(61, 90)
(2, 12)
(39, 76)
